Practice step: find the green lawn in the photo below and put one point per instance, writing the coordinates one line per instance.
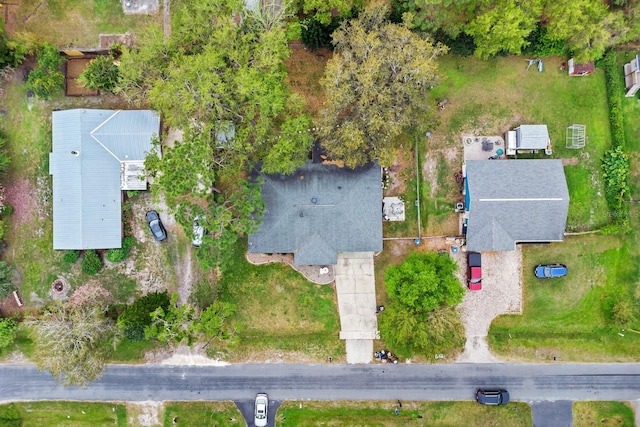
(77, 414)
(190, 414)
(279, 311)
(491, 97)
(568, 318)
(381, 413)
(588, 414)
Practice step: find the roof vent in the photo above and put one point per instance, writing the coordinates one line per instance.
(75, 153)
(314, 200)
(301, 214)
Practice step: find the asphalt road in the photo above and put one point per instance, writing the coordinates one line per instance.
(525, 382)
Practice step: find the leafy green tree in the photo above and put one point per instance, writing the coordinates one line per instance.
(587, 25)
(6, 280)
(323, 10)
(46, 78)
(7, 333)
(503, 27)
(410, 332)
(172, 325)
(73, 342)
(214, 322)
(424, 282)
(101, 74)
(376, 85)
(136, 316)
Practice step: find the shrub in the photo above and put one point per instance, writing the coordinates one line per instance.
(293, 30)
(136, 316)
(6, 277)
(101, 74)
(71, 256)
(118, 255)
(91, 262)
(316, 35)
(615, 171)
(46, 77)
(462, 45)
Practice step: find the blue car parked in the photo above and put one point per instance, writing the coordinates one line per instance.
(548, 271)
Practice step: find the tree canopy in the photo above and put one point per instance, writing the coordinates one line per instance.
(421, 317)
(584, 27)
(220, 80)
(424, 282)
(73, 342)
(375, 87)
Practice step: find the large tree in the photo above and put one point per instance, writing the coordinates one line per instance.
(376, 86)
(424, 282)
(73, 342)
(503, 27)
(220, 79)
(421, 317)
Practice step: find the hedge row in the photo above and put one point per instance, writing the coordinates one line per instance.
(614, 92)
(615, 165)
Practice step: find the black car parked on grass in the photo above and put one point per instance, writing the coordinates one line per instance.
(153, 219)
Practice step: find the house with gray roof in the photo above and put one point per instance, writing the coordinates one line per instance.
(320, 211)
(514, 201)
(96, 154)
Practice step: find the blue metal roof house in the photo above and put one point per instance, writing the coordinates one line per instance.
(96, 154)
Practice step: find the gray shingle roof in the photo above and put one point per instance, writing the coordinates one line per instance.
(88, 148)
(511, 201)
(321, 210)
(532, 137)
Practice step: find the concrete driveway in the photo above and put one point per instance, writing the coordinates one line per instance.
(501, 294)
(356, 291)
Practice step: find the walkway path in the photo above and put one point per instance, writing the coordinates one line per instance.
(356, 290)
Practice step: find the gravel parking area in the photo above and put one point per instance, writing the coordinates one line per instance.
(501, 294)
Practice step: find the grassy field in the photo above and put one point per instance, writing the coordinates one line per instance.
(202, 414)
(491, 97)
(588, 414)
(360, 414)
(74, 23)
(566, 318)
(77, 414)
(281, 313)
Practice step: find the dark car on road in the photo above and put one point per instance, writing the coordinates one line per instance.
(474, 271)
(548, 271)
(492, 396)
(153, 219)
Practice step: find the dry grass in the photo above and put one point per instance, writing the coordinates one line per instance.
(74, 23)
(588, 414)
(305, 69)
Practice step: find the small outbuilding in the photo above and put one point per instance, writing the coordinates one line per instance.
(578, 70)
(528, 137)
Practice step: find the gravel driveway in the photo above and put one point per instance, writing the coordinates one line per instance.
(501, 294)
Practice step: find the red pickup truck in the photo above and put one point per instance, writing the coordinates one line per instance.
(474, 271)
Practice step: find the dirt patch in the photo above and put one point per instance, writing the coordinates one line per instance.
(21, 195)
(573, 161)
(145, 414)
(305, 68)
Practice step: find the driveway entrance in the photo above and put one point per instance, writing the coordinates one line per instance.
(356, 291)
